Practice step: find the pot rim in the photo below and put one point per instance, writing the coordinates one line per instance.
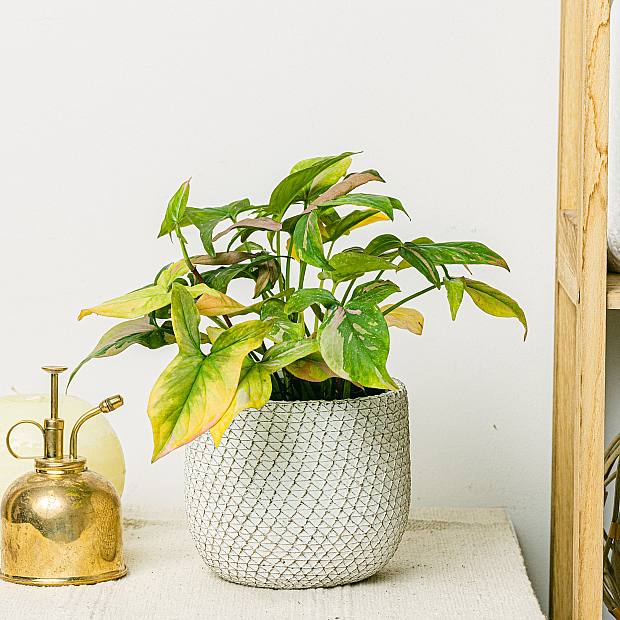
(402, 389)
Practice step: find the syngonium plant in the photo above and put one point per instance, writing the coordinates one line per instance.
(293, 341)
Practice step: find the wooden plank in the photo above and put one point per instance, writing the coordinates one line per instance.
(579, 375)
(613, 291)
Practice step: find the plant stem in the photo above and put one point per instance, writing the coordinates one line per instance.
(346, 293)
(188, 260)
(379, 275)
(346, 390)
(406, 299)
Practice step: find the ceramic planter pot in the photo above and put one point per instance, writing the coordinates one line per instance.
(302, 494)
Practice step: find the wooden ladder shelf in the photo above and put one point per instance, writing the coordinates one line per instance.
(583, 293)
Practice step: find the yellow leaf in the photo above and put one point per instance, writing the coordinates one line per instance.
(291, 249)
(311, 368)
(138, 303)
(214, 333)
(216, 303)
(405, 318)
(377, 217)
(254, 391)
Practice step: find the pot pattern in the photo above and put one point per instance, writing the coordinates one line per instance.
(302, 494)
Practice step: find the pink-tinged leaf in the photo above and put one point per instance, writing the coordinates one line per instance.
(222, 258)
(311, 368)
(348, 184)
(260, 223)
(215, 303)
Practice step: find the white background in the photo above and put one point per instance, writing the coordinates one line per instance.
(106, 107)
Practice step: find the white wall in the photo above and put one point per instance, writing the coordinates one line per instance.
(106, 107)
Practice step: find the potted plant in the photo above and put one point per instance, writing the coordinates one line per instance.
(297, 467)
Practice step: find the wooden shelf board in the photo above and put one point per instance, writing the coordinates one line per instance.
(613, 291)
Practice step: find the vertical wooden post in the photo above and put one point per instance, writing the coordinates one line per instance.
(579, 373)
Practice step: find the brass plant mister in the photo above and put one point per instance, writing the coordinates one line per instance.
(61, 523)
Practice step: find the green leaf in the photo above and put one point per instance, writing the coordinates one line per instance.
(311, 368)
(405, 318)
(494, 302)
(286, 353)
(185, 321)
(385, 204)
(323, 180)
(195, 390)
(419, 261)
(304, 298)
(355, 219)
(289, 188)
(307, 241)
(116, 340)
(352, 264)
(354, 342)
(282, 327)
(459, 253)
(374, 292)
(206, 219)
(454, 289)
(175, 210)
(382, 244)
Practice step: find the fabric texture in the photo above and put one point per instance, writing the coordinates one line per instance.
(452, 563)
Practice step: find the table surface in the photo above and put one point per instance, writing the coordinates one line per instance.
(452, 563)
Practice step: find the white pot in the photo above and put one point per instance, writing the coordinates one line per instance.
(302, 494)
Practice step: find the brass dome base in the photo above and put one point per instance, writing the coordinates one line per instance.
(65, 581)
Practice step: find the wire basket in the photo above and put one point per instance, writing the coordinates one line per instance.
(611, 534)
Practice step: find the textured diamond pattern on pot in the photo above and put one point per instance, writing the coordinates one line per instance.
(302, 494)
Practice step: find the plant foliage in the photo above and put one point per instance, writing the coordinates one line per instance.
(286, 340)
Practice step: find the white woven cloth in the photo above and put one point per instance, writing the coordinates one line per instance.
(452, 563)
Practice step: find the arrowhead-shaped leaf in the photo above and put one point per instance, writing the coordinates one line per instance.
(175, 210)
(355, 341)
(195, 390)
(494, 302)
